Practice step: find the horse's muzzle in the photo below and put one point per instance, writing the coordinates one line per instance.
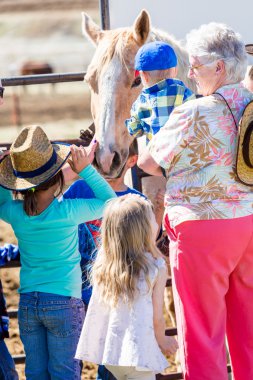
(110, 164)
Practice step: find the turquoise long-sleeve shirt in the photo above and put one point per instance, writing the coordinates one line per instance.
(48, 242)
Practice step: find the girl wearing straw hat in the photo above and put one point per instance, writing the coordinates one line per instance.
(51, 311)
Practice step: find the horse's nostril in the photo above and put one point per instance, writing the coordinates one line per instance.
(116, 160)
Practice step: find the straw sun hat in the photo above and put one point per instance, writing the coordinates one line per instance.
(249, 48)
(33, 159)
(244, 161)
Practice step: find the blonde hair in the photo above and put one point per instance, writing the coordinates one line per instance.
(126, 235)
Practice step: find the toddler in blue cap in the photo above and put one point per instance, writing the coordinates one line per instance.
(156, 63)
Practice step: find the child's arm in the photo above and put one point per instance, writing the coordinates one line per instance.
(159, 209)
(136, 123)
(68, 173)
(167, 344)
(83, 210)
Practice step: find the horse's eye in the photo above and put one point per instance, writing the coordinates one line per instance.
(136, 82)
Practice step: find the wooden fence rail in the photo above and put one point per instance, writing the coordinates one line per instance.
(42, 79)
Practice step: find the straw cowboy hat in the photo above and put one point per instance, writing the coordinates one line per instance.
(33, 159)
(244, 161)
(249, 48)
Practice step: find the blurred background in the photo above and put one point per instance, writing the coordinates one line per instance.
(45, 32)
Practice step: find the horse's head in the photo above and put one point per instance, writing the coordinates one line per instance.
(114, 87)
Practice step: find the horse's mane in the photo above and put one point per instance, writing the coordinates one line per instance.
(118, 40)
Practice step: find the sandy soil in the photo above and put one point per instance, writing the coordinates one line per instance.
(48, 29)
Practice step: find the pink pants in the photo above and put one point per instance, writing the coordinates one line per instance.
(212, 275)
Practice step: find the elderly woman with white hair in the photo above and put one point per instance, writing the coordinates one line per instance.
(209, 214)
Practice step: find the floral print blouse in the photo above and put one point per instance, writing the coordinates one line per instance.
(197, 148)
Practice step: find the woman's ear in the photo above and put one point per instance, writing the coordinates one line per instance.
(220, 67)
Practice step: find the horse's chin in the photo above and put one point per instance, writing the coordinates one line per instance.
(115, 172)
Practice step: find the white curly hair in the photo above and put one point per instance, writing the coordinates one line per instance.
(215, 41)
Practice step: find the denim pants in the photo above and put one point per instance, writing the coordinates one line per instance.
(7, 366)
(50, 326)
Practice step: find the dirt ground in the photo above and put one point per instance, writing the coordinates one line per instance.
(62, 110)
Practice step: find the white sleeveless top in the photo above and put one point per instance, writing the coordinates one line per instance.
(123, 336)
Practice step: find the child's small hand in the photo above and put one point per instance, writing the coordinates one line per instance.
(91, 148)
(79, 158)
(169, 345)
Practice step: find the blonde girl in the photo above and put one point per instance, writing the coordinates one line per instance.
(124, 328)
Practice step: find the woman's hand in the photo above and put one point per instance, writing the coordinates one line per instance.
(81, 157)
(169, 345)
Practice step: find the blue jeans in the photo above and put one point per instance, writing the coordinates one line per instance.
(7, 366)
(50, 326)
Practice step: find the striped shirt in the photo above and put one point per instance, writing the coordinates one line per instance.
(154, 105)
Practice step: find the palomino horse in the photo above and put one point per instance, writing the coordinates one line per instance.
(36, 67)
(114, 88)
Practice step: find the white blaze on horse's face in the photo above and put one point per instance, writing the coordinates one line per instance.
(111, 99)
(111, 152)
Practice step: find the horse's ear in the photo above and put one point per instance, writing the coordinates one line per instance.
(90, 29)
(141, 27)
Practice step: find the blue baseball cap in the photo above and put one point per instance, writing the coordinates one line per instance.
(157, 55)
